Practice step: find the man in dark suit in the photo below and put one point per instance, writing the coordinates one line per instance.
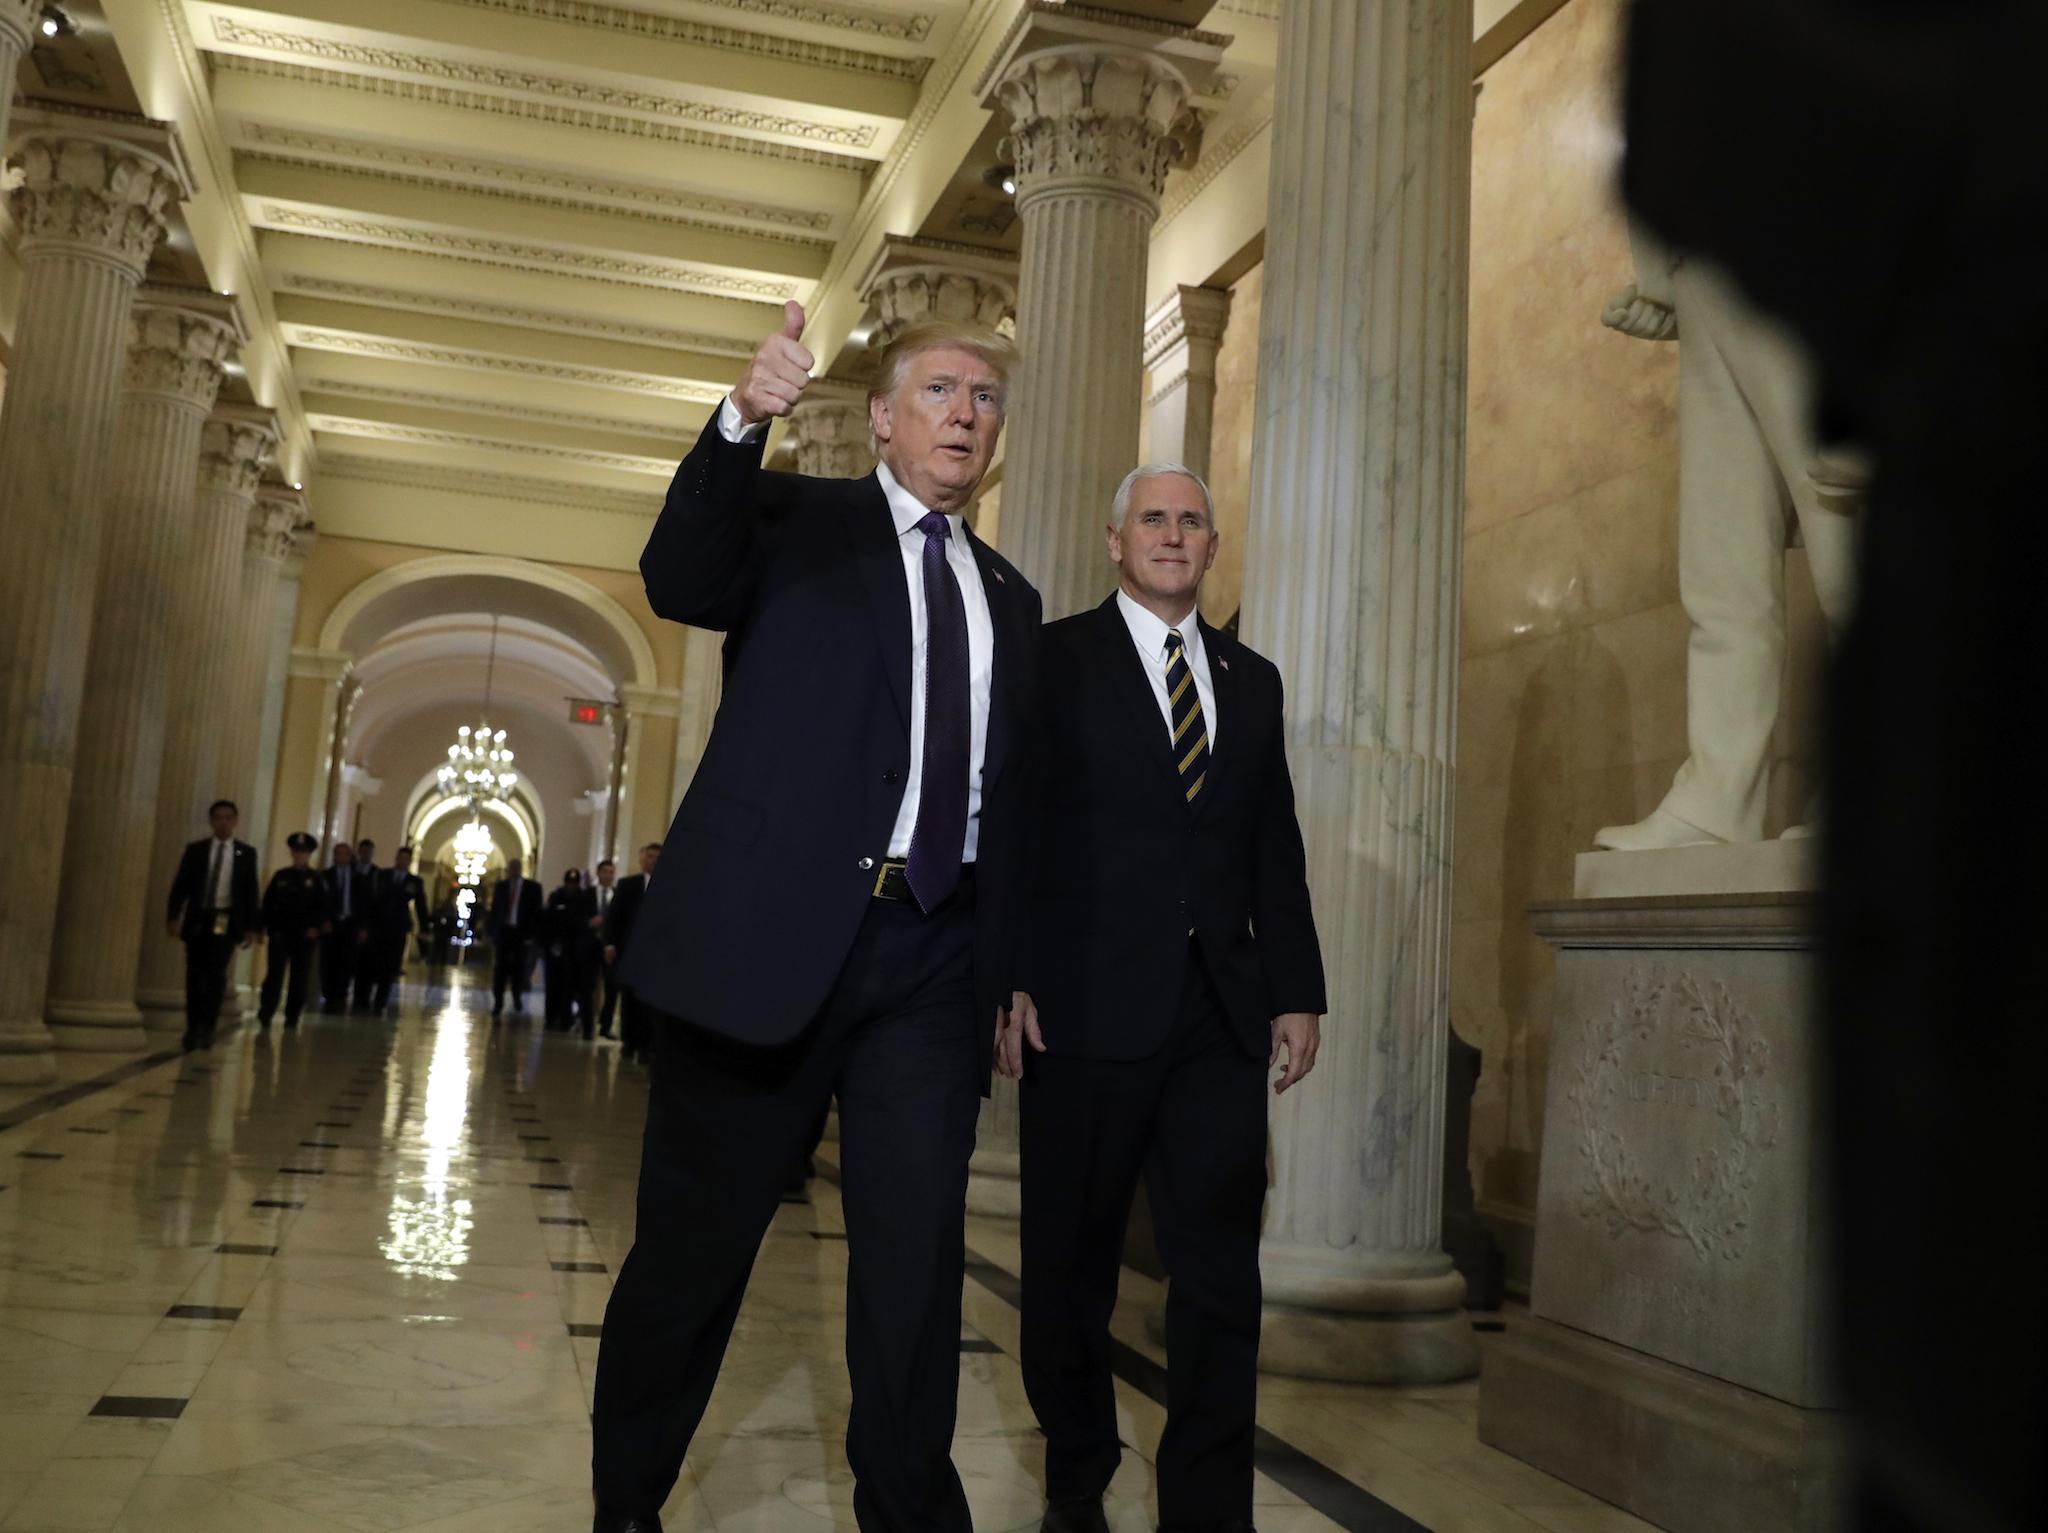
(596, 967)
(349, 905)
(369, 948)
(1172, 962)
(401, 901)
(834, 911)
(565, 924)
(516, 918)
(213, 910)
(618, 933)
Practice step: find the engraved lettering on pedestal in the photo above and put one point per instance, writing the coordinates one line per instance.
(1631, 1060)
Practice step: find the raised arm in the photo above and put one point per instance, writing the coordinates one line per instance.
(700, 563)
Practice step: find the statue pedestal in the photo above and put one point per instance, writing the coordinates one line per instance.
(1673, 1358)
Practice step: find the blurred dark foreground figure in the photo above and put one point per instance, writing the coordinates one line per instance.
(1874, 171)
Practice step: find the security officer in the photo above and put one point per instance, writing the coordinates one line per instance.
(295, 907)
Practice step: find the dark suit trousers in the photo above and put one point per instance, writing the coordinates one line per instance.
(899, 1043)
(390, 950)
(339, 956)
(290, 964)
(1192, 1120)
(207, 958)
(508, 963)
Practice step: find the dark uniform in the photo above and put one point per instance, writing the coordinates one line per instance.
(295, 907)
(401, 896)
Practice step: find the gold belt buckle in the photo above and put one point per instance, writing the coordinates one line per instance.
(220, 923)
(882, 875)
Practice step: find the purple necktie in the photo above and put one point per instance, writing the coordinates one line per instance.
(939, 840)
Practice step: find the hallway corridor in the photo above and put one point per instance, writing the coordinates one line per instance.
(352, 1278)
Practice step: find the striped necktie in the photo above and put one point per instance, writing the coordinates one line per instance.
(1190, 728)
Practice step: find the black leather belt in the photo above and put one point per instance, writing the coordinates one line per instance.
(892, 878)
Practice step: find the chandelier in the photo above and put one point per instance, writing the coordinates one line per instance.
(472, 853)
(479, 768)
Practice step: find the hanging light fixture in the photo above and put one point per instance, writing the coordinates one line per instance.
(479, 767)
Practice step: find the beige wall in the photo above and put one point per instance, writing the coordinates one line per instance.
(1572, 677)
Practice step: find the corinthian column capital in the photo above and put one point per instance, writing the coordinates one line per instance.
(97, 183)
(232, 448)
(1097, 98)
(274, 521)
(180, 340)
(912, 280)
(828, 430)
(17, 26)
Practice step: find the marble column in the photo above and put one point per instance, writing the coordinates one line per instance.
(270, 727)
(89, 207)
(828, 430)
(1351, 588)
(1097, 113)
(913, 280)
(313, 684)
(1182, 337)
(234, 443)
(17, 32)
(650, 716)
(703, 681)
(179, 343)
(267, 542)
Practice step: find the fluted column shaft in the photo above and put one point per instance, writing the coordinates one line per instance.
(1092, 136)
(90, 209)
(1351, 587)
(1182, 338)
(266, 543)
(233, 444)
(264, 834)
(178, 346)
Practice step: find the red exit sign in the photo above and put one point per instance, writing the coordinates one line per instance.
(583, 711)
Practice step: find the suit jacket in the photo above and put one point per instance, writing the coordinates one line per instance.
(527, 915)
(568, 918)
(188, 890)
(627, 895)
(362, 901)
(399, 899)
(1129, 866)
(762, 886)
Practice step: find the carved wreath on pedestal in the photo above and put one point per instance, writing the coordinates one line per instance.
(1710, 1209)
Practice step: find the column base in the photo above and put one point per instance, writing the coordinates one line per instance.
(97, 1027)
(1434, 1347)
(1684, 1450)
(27, 1056)
(994, 1187)
(162, 1011)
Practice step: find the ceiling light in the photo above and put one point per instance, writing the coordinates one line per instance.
(55, 23)
(1003, 178)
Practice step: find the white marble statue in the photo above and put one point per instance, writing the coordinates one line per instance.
(1748, 464)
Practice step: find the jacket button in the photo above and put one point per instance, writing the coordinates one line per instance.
(867, 864)
(892, 777)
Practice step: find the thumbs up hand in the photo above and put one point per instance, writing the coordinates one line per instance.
(779, 372)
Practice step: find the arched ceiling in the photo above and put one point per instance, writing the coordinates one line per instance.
(539, 615)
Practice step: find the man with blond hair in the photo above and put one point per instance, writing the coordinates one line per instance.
(834, 911)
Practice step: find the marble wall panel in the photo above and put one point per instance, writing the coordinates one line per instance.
(1230, 452)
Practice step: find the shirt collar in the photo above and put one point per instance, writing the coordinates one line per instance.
(1149, 631)
(905, 509)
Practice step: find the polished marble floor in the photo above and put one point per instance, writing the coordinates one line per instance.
(352, 1277)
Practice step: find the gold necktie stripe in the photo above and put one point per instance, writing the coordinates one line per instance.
(1194, 766)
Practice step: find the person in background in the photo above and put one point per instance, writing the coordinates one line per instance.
(597, 967)
(401, 898)
(634, 1037)
(347, 930)
(294, 913)
(370, 885)
(213, 910)
(566, 921)
(516, 918)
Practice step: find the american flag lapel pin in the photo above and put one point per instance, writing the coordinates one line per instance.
(1222, 662)
(999, 577)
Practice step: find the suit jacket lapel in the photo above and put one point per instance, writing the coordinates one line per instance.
(1004, 619)
(1136, 702)
(871, 532)
(1223, 682)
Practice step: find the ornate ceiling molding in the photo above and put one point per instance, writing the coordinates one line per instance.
(297, 147)
(546, 492)
(631, 23)
(428, 400)
(423, 436)
(852, 18)
(1217, 158)
(526, 367)
(527, 198)
(663, 274)
(424, 67)
(556, 114)
(509, 314)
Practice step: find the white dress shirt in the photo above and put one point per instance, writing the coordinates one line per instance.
(221, 875)
(907, 511)
(1148, 632)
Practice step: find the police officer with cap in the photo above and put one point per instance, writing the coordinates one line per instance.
(295, 908)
